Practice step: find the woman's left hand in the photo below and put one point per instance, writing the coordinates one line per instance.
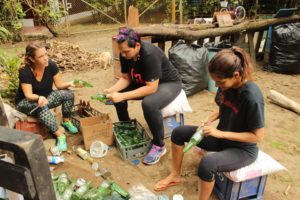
(212, 131)
(116, 97)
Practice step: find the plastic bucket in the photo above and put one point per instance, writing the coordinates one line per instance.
(98, 149)
(211, 83)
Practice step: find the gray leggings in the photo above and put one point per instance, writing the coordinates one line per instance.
(55, 99)
(225, 159)
(152, 105)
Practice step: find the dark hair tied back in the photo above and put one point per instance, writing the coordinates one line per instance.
(228, 61)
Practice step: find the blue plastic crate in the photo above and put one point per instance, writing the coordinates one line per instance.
(172, 122)
(226, 189)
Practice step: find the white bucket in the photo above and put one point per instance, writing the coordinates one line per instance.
(98, 149)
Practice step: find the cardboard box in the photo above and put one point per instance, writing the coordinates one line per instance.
(32, 125)
(96, 128)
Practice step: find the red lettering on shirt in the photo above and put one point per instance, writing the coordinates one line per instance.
(137, 77)
(231, 106)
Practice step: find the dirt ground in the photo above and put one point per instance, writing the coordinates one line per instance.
(282, 138)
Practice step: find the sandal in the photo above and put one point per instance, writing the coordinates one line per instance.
(162, 186)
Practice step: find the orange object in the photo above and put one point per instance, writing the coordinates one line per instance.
(32, 125)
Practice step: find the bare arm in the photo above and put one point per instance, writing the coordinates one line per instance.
(211, 118)
(254, 136)
(27, 90)
(149, 88)
(60, 84)
(121, 84)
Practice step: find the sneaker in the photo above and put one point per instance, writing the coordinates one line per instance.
(70, 127)
(155, 153)
(61, 143)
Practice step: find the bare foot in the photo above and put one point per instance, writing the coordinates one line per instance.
(171, 180)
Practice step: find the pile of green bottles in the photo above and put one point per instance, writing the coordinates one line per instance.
(67, 189)
(129, 134)
(100, 97)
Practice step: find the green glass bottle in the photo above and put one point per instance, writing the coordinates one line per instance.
(104, 189)
(195, 139)
(81, 191)
(100, 97)
(92, 194)
(62, 183)
(118, 189)
(68, 192)
(81, 83)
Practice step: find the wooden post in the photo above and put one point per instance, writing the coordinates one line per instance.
(125, 12)
(173, 12)
(180, 12)
(161, 44)
(251, 47)
(258, 42)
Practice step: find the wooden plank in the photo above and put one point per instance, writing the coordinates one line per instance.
(250, 35)
(162, 45)
(224, 20)
(258, 42)
(200, 41)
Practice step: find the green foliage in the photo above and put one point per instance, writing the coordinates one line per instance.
(116, 8)
(5, 35)
(49, 13)
(11, 12)
(10, 65)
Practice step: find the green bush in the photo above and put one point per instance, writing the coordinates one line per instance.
(10, 66)
(5, 35)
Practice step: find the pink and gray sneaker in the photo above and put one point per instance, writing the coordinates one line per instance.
(155, 153)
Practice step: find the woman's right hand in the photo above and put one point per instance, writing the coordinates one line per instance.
(42, 101)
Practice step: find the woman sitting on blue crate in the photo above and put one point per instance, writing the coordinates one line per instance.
(240, 128)
(36, 97)
(147, 74)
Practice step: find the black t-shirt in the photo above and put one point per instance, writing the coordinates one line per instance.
(151, 65)
(43, 87)
(241, 110)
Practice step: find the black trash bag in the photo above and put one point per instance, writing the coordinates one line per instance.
(217, 46)
(285, 49)
(191, 63)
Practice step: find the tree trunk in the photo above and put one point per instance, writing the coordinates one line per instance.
(205, 30)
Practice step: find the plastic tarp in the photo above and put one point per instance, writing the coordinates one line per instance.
(285, 49)
(191, 63)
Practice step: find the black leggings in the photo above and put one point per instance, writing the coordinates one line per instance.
(225, 159)
(152, 105)
(55, 98)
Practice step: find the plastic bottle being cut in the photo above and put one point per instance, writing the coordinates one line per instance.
(195, 139)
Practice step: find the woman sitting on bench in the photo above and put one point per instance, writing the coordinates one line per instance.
(240, 128)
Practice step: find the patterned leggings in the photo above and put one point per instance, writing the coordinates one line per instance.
(55, 99)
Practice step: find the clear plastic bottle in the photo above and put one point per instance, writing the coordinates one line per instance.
(55, 159)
